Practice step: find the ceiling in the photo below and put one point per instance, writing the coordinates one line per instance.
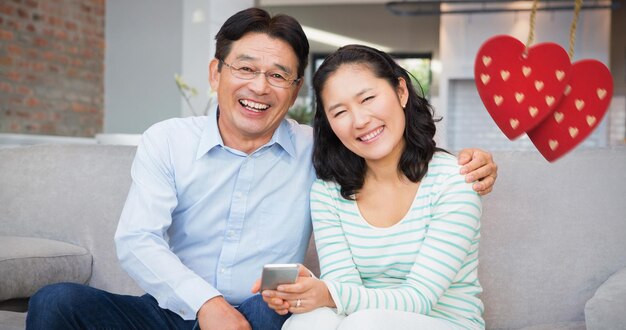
(317, 2)
(438, 7)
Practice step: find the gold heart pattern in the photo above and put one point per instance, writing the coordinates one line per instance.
(505, 75)
(538, 85)
(485, 78)
(559, 75)
(553, 144)
(558, 116)
(568, 89)
(530, 82)
(586, 99)
(580, 104)
(486, 60)
(590, 120)
(498, 99)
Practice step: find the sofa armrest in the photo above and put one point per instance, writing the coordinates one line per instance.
(29, 263)
(605, 310)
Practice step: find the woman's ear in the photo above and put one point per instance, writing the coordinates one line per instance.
(403, 92)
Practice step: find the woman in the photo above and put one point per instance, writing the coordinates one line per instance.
(396, 226)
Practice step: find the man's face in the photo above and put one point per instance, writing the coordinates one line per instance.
(251, 110)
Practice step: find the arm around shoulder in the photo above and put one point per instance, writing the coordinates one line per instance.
(479, 167)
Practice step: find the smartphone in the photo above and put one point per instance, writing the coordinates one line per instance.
(275, 274)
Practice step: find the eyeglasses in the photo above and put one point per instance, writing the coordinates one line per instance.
(248, 72)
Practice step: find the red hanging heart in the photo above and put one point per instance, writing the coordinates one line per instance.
(519, 90)
(587, 98)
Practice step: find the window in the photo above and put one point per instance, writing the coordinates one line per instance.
(416, 64)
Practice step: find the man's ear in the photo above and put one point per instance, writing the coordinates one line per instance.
(214, 74)
(296, 90)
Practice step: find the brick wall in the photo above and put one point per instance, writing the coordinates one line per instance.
(52, 66)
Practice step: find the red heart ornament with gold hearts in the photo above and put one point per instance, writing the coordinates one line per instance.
(520, 89)
(587, 98)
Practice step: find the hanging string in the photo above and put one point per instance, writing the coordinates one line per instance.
(531, 34)
(572, 29)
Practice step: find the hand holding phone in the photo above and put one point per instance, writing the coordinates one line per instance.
(275, 274)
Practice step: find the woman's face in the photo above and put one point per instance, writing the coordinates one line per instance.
(366, 112)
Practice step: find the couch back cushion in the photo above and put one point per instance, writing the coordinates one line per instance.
(551, 234)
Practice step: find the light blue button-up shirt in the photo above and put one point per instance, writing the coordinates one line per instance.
(201, 219)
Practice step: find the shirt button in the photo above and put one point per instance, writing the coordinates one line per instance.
(222, 270)
(238, 194)
(230, 234)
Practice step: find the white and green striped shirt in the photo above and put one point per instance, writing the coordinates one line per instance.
(426, 263)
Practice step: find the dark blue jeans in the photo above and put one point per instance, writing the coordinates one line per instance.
(74, 306)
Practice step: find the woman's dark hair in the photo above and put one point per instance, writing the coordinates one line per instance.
(257, 20)
(332, 160)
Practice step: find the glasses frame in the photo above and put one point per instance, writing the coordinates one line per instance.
(234, 71)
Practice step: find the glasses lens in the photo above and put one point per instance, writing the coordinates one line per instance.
(247, 71)
(277, 79)
(242, 70)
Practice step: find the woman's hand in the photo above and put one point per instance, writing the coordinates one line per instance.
(478, 165)
(307, 294)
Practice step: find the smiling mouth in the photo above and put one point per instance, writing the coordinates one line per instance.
(371, 135)
(254, 106)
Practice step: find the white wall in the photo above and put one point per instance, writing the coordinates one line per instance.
(462, 35)
(148, 42)
(202, 20)
(368, 22)
(143, 51)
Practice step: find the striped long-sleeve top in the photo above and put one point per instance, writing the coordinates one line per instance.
(426, 263)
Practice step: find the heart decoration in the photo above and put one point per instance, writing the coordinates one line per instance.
(520, 89)
(587, 98)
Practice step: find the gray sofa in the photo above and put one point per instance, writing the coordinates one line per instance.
(552, 256)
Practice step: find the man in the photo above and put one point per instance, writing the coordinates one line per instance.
(215, 198)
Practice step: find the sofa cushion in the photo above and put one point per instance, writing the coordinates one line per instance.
(605, 310)
(12, 320)
(28, 263)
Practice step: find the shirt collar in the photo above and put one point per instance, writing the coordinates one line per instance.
(283, 138)
(211, 137)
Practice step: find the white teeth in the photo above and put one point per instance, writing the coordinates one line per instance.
(371, 135)
(253, 105)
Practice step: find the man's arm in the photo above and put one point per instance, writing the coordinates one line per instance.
(141, 242)
(478, 165)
